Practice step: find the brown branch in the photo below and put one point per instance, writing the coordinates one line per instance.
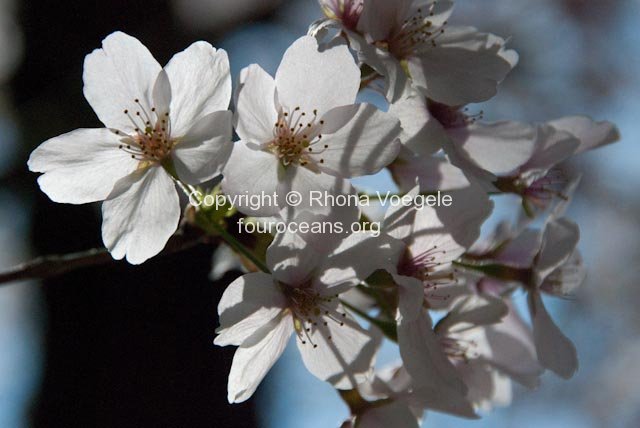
(55, 265)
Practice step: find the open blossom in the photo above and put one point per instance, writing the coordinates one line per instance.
(302, 131)
(557, 256)
(409, 42)
(158, 122)
(544, 261)
(521, 158)
(431, 240)
(489, 345)
(259, 312)
(421, 159)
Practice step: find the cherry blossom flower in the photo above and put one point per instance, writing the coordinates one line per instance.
(431, 240)
(489, 345)
(302, 131)
(159, 123)
(543, 261)
(421, 160)
(522, 158)
(259, 312)
(435, 237)
(452, 65)
(556, 271)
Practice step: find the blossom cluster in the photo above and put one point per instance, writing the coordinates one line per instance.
(425, 279)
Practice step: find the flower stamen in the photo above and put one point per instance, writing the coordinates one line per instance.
(151, 140)
(296, 137)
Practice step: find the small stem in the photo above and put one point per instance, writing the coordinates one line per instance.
(56, 265)
(501, 272)
(214, 227)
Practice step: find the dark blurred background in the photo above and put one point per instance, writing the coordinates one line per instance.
(132, 346)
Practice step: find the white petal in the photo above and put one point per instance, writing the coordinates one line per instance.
(473, 310)
(468, 211)
(140, 215)
(499, 148)
(291, 259)
(251, 171)
(502, 390)
(81, 166)
(432, 174)
(252, 360)
(552, 147)
(562, 204)
(396, 80)
(204, 150)
(421, 352)
(162, 94)
(366, 144)
(477, 376)
(450, 230)
(200, 83)
(435, 380)
(421, 132)
(555, 350)
(514, 352)
(256, 112)
(313, 79)
(399, 218)
(410, 297)
(591, 134)
(249, 303)
(329, 240)
(320, 28)
(520, 251)
(457, 72)
(472, 39)
(380, 17)
(343, 350)
(558, 243)
(116, 75)
(566, 278)
(309, 185)
(357, 257)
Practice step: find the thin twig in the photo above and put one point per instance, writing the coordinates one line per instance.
(55, 265)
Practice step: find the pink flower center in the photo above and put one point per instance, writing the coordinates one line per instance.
(416, 33)
(459, 349)
(427, 268)
(297, 139)
(311, 310)
(541, 191)
(151, 140)
(453, 117)
(346, 11)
